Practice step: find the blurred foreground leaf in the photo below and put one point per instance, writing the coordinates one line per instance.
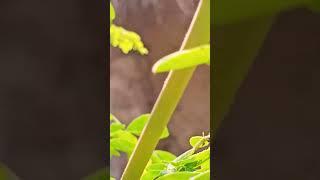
(101, 174)
(237, 45)
(6, 173)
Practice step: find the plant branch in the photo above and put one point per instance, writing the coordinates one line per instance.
(172, 91)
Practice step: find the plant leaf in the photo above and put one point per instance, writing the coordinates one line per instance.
(183, 59)
(137, 125)
(115, 127)
(114, 119)
(100, 174)
(113, 151)
(203, 176)
(238, 47)
(122, 145)
(125, 135)
(126, 40)
(194, 140)
(6, 173)
(235, 11)
(197, 139)
(112, 13)
(162, 156)
(178, 176)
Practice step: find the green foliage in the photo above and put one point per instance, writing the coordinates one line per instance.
(125, 40)
(171, 93)
(6, 173)
(123, 139)
(315, 5)
(192, 164)
(112, 14)
(146, 163)
(183, 59)
(238, 47)
(137, 125)
(162, 164)
(101, 174)
(234, 11)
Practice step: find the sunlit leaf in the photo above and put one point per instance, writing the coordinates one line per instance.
(178, 176)
(183, 59)
(112, 13)
(122, 145)
(203, 176)
(114, 119)
(126, 40)
(137, 125)
(114, 127)
(113, 151)
(162, 156)
(205, 166)
(197, 139)
(200, 156)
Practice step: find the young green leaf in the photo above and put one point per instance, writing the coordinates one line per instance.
(162, 156)
(156, 167)
(183, 59)
(112, 13)
(6, 173)
(100, 174)
(150, 175)
(122, 145)
(153, 171)
(178, 175)
(125, 135)
(122, 141)
(113, 151)
(193, 163)
(203, 176)
(195, 140)
(205, 166)
(183, 156)
(115, 127)
(126, 40)
(137, 125)
(114, 119)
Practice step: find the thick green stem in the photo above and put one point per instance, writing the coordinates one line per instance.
(173, 89)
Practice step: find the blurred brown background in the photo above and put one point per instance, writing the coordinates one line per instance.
(134, 89)
(273, 128)
(52, 88)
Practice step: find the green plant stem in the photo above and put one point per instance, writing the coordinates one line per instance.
(172, 91)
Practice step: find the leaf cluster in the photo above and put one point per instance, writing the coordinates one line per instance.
(193, 164)
(125, 40)
(163, 165)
